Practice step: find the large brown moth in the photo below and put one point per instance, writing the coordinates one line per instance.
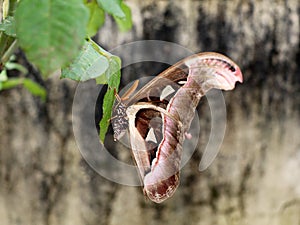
(159, 116)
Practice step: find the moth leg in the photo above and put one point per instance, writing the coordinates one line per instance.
(111, 118)
(118, 98)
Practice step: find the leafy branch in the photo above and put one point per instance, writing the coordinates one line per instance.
(55, 35)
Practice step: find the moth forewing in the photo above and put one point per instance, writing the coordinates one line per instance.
(174, 94)
(214, 70)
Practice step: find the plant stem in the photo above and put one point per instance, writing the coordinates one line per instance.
(7, 44)
(1, 8)
(12, 7)
(9, 52)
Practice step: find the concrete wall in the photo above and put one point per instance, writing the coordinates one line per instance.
(253, 180)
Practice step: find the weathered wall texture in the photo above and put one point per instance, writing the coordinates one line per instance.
(254, 179)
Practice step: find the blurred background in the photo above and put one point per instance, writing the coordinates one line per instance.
(255, 177)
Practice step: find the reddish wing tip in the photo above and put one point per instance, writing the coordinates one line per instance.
(239, 74)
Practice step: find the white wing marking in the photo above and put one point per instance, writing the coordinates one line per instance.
(166, 92)
(151, 136)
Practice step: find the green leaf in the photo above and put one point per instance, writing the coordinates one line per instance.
(3, 76)
(16, 66)
(113, 7)
(35, 89)
(8, 26)
(89, 64)
(51, 32)
(124, 23)
(113, 75)
(107, 109)
(101, 79)
(97, 18)
(12, 82)
(95, 62)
